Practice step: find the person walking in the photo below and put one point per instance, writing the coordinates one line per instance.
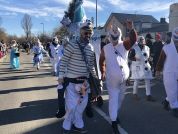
(140, 67)
(14, 55)
(38, 56)
(53, 53)
(73, 70)
(157, 47)
(114, 68)
(168, 63)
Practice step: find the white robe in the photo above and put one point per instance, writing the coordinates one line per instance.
(54, 53)
(138, 67)
(114, 77)
(170, 74)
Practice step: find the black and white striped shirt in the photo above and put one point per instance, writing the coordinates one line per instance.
(72, 63)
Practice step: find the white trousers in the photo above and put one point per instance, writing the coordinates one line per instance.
(147, 86)
(116, 96)
(171, 87)
(54, 64)
(74, 109)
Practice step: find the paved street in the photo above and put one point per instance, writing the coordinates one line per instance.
(28, 102)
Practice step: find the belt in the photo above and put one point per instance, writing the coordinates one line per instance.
(77, 80)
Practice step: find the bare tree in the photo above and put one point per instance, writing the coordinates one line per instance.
(61, 32)
(26, 24)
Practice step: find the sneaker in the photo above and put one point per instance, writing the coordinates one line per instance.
(115, 127)
(175, 112)
(64, 131)
(79, 130)
(89, 111)
(150, 98)
(166, 105)
(99, 101)
(60, 113)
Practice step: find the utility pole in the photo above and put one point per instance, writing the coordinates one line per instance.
(43, 31)
(96, 13)
(43, 27)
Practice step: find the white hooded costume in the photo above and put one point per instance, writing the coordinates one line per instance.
(54, 54)
(113, 63)
(140, 67)
(170, 69)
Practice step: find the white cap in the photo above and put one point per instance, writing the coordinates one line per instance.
(87, 25)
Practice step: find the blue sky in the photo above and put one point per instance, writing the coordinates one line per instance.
(50, 12)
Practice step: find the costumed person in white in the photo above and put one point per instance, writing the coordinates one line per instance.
(140, 67)
(114, 68)
(60, 53)
(37, 50)
(169, 64)
(53, 53)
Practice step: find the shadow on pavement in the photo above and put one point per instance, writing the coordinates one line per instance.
(25, 76)
(27, 89)
(52, 128)
(36, 110)
(20, 71)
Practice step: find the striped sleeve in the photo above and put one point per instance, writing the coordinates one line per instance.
(65, 59)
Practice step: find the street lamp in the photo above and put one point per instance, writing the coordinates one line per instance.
(43, 27)
(96, 13)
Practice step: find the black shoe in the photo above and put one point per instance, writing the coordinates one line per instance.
(135, 96)
(150, 98)
(60, 113)
(99, 101)
(79, 130)
(64, 131)
(166, 105)
(54, 73)
(175, 112)
(89, 111)
(115, 127)
(118, 120)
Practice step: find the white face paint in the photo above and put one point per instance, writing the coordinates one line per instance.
(141, 40)
(175, 36)
(56, 40)
(115, 34)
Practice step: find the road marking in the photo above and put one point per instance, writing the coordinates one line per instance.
(103, 114)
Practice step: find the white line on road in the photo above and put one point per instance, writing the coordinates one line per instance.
(103, 114)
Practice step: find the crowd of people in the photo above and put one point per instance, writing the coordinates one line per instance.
(3, 49)
(74, 63)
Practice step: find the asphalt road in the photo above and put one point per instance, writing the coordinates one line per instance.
(28, 102)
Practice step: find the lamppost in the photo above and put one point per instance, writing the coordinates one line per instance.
(96, 12)
(43, 32)
(43, 27)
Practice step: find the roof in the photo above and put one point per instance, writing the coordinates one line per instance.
(122, 17)
(158, 28)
